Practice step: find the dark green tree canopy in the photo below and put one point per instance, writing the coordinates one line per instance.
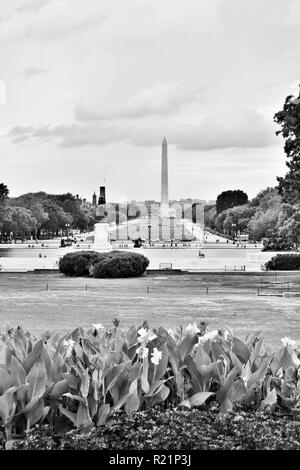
(289, 120)
(228, 199)
(3, 191)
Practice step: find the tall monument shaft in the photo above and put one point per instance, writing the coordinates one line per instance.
(164, 179)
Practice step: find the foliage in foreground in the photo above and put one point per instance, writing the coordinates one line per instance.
(81, 380)
(202, 429)
(284, 262)
(101, 265)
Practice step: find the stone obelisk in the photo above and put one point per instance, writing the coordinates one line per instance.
(164, 202)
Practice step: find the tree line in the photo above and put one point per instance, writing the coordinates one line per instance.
(41, 214)
(274, 214)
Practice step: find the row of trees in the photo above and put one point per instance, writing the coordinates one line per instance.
(38, 214)
(274, 214)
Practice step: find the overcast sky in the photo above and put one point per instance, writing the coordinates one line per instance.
(92, 87)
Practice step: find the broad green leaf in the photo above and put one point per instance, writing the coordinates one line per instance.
(83, 418)
(256, 351)
(34, 411)
(37, 379)
(103, 414)
(8, 405)
(131, 336)
(59, 388)
(270, 400)
(132, 403)
(238, 390)
(69, 414)
(226, 406)
(6, 380)
(259, 374)
(201, 357)
(85, 384)
(17, 371)
(198, 399)
(224, 390)
(186, 345)
(236, 362)
(144, 377)
(163, 363)
(34, 356)
(75, 397)
(240, 350)
(50, 369)
(164, 392)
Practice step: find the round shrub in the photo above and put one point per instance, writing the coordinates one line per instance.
(78, 264)
(112, 264)
(119, 264)
(284, 262)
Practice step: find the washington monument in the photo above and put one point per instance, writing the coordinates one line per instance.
(164, 207)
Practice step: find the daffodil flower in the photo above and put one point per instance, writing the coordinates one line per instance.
(156, 356)
(142, 352)
(70, 344)
(145, 336)
(207, 336)
(192, 329)
(98, 326)
(289, 342)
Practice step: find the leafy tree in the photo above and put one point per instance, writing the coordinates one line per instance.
(57, 218)
(228, 199)
(264, 223)
(289, 120)
(237, 219)
(289, 224)
(3, 192)
(19, 221)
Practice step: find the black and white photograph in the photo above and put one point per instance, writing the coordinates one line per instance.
(149, 229)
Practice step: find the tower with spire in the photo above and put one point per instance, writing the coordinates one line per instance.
(164, 202)
(94, 199)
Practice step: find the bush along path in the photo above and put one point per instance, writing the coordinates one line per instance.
(104, 381)
(103, 265)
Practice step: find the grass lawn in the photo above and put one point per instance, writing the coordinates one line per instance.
(53, 301)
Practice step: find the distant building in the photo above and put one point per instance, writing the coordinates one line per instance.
(102, 197)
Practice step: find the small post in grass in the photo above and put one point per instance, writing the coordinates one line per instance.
(47, 287)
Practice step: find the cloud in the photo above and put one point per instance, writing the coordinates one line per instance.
(49, 20)
(33, 71)
(159, 99)
(2, 92)
(236, 128)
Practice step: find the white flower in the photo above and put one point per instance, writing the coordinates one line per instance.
(145, 336)
(142, 334)
(207, 336)
(289, 342)
(172, 334)
(226, 335)
(98, 326)
(192, 329)
(70, 344)
(143, 352)
(156, 356)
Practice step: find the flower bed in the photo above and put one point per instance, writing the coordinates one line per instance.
(86, 379)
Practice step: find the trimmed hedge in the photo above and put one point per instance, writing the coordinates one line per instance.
(284, 262)
(277, 244)
(101, 265)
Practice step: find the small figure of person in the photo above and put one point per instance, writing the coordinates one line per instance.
(40, 255)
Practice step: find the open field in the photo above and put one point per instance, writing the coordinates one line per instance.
(52, 301)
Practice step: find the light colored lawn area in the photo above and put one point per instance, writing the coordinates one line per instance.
(231, 301)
